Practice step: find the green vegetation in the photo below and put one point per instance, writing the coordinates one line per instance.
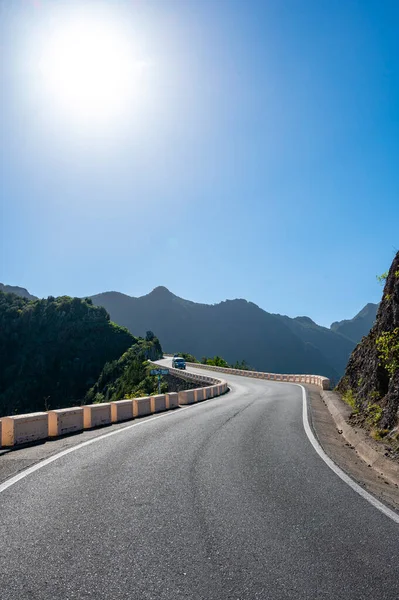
(349, 398)
(382, 278)
(374, 413)
(188, 357)
(372, 372)
(379, 434)
(388, 348)
(52, 351)
(216, 361)
(243, 366)
(129, 376)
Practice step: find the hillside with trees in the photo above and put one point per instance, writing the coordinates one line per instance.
(129, 376)
(53, 351)
(292, 345)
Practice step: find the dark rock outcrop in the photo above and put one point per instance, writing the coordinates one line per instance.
(371, 379)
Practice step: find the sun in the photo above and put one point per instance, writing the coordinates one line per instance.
(88, 68)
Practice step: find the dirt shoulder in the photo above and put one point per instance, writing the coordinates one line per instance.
(344, 454)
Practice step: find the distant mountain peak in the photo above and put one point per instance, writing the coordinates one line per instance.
(161, 294)
(161, 289)
(305, 320)
(359, 326)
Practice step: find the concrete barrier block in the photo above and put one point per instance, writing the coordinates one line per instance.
(158, 403)
(21, 429)
(95, 415)
(121, 410)
(172, 400)
(325, 384)
(65, 420)
(187, 397)
(141, 406)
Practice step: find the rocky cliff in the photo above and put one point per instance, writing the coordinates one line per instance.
(371, 380)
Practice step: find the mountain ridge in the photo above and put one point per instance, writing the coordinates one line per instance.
(235, 329)
(18, 291)
(359, 326)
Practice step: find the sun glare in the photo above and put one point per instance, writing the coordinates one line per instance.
(88, 68)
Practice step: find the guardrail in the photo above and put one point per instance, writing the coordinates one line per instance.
(322, 382)
(211, 387)
(23, 429)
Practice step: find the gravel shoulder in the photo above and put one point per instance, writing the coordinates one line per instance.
(344, 455)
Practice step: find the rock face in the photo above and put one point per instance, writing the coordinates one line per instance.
(371, 379)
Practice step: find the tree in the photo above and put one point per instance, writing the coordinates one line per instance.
(52, 351)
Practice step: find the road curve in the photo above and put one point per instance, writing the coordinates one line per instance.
(224, 500)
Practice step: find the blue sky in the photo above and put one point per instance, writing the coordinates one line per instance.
(255, 155)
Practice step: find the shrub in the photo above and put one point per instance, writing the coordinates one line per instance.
(388, 348)
(349, 398)
(382, 278)
(373, 414)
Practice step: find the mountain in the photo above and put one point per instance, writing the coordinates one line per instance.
(19, 291)
(334, 347)
(234, 329)
(359, 326)
(371, 380)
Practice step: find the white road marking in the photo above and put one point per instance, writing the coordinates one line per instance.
(341, 474)
(9, 482)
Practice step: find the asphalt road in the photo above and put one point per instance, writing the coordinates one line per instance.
(226, 499)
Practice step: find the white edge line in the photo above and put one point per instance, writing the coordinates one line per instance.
(341, 474)
(9, 482)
